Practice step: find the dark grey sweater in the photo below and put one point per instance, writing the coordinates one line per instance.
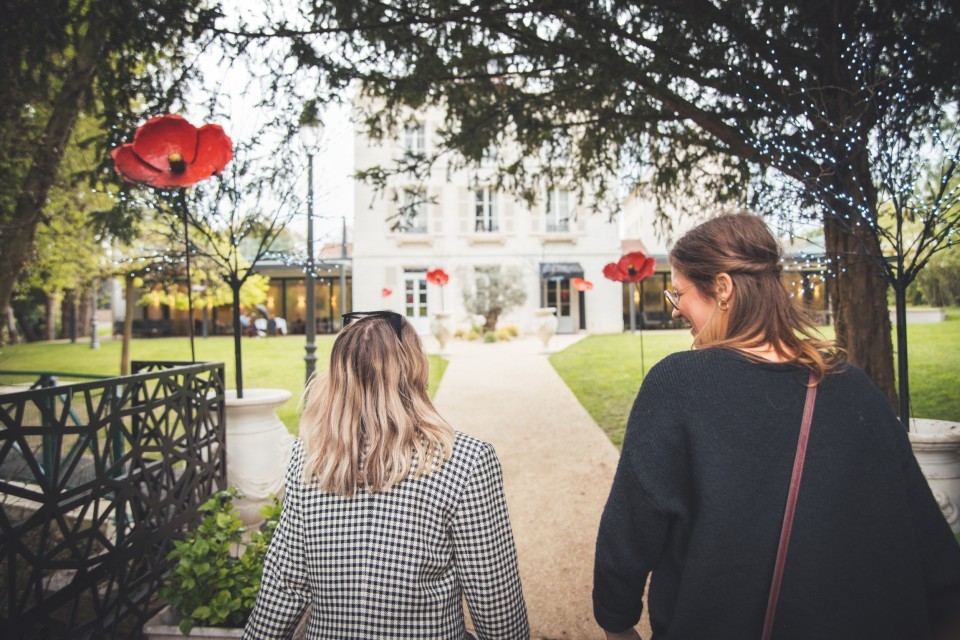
(699, 495)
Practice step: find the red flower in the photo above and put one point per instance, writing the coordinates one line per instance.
(167, 151)
(632, 267)
(581, 285)
(386, 293)
(438, 277)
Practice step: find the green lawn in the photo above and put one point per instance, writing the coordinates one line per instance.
(604, 371)
(267, 362)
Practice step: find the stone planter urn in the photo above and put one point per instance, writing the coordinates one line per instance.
(441, 328)
(258, 449)
(546, 324)
(936, 444)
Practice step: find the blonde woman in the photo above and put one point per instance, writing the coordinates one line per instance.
(390, 517)
(699, 497)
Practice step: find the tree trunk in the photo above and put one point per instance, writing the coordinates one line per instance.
(10, 324)
(51, 307)
(83, 316)
(70, 326)
(17, 237)
(859, 298)
(490, 324)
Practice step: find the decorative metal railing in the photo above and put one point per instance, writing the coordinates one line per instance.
(96, 481)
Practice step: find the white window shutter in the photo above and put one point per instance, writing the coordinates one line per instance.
(435, 216)
(536, 213)
(466, 209)
(506, 215)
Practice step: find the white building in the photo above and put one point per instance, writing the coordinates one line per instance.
(464, 225)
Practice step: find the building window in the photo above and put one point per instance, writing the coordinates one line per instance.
(415, 294)
(414, 139)
(558, 296)
(558, 210)
(485, 210)
(413, 212)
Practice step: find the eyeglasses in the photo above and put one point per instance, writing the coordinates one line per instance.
(395, 318)
(673, 297)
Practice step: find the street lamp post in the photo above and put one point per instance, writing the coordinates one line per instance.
(311, 346)
(310, 132)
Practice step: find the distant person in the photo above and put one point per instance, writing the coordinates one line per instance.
(246, 328)
(299, 326)
(699, 497)
(390, 517)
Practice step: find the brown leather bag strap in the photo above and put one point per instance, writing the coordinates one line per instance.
(791, 506)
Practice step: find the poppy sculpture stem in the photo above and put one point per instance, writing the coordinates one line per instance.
(643, 365)
(186, 242)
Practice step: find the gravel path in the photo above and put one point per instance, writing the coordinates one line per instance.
(557, 468)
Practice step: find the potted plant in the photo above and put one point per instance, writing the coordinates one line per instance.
(215, 574)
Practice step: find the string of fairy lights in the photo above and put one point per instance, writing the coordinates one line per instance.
(816, 152)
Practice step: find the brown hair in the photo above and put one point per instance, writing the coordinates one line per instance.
(762, 311)
(368, 421)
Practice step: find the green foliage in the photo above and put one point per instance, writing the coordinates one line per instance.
(503, 334)
(489, 336)
(796, 109)
(112, 61)
(604, 371)
(275, 362)
(511, 330)
(209, 291)
(938, 284)
(215, 577)
(494, 291)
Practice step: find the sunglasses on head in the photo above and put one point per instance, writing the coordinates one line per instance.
(395, 319)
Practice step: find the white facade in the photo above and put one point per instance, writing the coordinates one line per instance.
(463, 224)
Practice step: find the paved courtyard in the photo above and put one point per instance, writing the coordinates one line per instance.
(557, 468)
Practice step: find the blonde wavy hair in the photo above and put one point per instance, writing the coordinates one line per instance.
(368, 422)
(762, 312)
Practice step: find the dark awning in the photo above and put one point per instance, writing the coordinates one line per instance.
(560, 270)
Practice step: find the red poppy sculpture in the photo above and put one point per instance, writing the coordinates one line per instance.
(580, 284)
(633, 267)
(386, 292)
(167, 151)
(438, 277)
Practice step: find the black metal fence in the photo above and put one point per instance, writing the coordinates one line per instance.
(96, 480)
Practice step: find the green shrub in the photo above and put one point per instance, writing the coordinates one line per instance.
(473, 334)
(489, 336)
(459, 333)
(511, 329)
(209, 584)
(504, 334)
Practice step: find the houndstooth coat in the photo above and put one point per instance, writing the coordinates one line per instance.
(395, 565)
